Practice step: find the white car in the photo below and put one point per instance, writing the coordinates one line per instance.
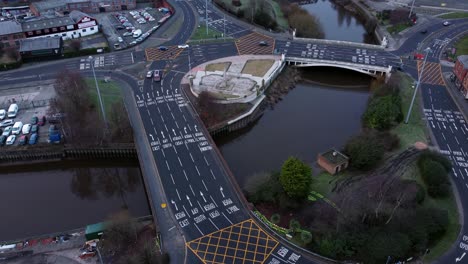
(10, 140)
(446, 23)
(2, 114)
(7, 122)
(17, 128)
(7, 131)
(26, 129)
(183, 46)
(149, 74)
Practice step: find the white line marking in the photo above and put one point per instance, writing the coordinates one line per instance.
(444, 136)
(192, 189)
(201, 207)
(185, 175)
(213, 223)
(191, 157)
(168, 165)
(212, 174)
(164, 154)
(213, 201)
(180, 162)
(185, 210)
(449, 148)
(197, 170)
(175, 149)
(204, 185)
(184, 118)
(171, 228)
(151, 120)
(172, 178)
(206, 161)
(177, 125)
(178, 195)
(172, 115)
(198, 229)
(461, 173)
(226, 218)
(457, 140)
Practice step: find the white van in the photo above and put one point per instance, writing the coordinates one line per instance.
(12, 110)
(17, 128)
(137, 33)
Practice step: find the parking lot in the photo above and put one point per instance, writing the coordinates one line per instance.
(127, 28)
(31, 102)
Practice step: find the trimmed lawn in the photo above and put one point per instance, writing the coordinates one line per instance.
(448, 204)
(455, 15)
(221, 66)
(462, 46)
(397, 28)
(110, 93)
(200, 33)
(257, 67)
(416, 129)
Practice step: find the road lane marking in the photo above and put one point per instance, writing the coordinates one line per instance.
(457, 140)
(204, 185)
(454, 173)
(200, 206)
(449, 148)
(212, 174)
(192, 189)
(172, 178)
(213, 201)
(443, 136)
(185, 175)
(217, 228)
(175, 149)
(191, 157)
(180, 162)
(198, 229)
(177, 125)
(461, 173)
(171, 228)
(183, 206)
(168, 165)
(206, 161)
(178, 195)
(164, 154)
(226, 218)
(197, 170)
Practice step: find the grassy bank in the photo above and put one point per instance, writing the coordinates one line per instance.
(455, 15)
(200, 33)
(395, 29)
(462, 46)
(110, 94)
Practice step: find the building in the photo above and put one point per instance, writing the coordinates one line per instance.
(76, 25)
(460, 71)
(87, 6)
(38, 48)
(10, 33)
(333, 161)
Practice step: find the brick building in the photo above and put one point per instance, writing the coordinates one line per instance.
(333, 161)
(461, 77)
(87, 6)
(10, 33)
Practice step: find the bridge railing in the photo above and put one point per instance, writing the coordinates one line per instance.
(342, 43)
(385, 69)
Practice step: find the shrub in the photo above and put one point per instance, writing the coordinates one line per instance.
(264, 19)
(389, 140)
(295, 178)
(364, 151)
(439, 191)
(431, 155)
(420, 194)
(294, 224)
(383, 112)
(236, 3)
(306, 236)
(240, 13)
(275, 219)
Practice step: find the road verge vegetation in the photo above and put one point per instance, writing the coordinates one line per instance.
(454, 15)
(389, 202)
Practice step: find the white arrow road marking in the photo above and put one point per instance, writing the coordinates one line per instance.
(172, 201)
(454, 173)
(461, 257)
(188, 199)
(221, 190)
(203, 196)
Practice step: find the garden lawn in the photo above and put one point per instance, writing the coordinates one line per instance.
(416, 129)
(455, 15)
(110, 94)
(398, 28)
(257, 67)
(462, 46)
(448, 204)
(221, 66)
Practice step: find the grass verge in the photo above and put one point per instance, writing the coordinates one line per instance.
(448, 204)
(397, 28)
(462, 46)
(416, 129)
(221, 66)
(200, 33)
(455, 15)
(257, 67)
(110, 94)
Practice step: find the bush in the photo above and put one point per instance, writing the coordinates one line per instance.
(240, 13)
(431, 155)
(420, 194)
(9, 66)
(364, 151)
(306, 236)
(275, 219)
(296, 178)
(388, 140)
(434, 173)
(264, 19)
(439, 191)
(383, 112)
(294, 224)
(385, 244)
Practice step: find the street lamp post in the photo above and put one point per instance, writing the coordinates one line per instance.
(417, 86)
(90, 59)
(206, 16)
(411, 9)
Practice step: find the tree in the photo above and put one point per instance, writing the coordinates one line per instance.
(296, 178)
(384, 244)
(12, 53)
(399, 16)
(307, 25)
(121, 129)
(364, 151)
(120, 232)
(383, 112)
(306, 236)
(75, 45)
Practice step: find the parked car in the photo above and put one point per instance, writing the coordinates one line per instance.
(26, 129)
(42, 121)
(17, 128)
(34, 129)
(7, 131)
(162, 48)
(12, 110)
(156, 76)
(34, 120)
(119, 39)
(126, 34)
(119, 27)
(10, 140)
(33, 139)
(52, 129)
(3, 140)
(424, 31)
(149, 74)
(2, 114)
(8, 122)
(23, 140)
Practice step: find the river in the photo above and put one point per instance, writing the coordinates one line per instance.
(36, 200)
(338, 23)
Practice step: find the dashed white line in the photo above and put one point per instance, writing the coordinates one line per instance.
(206, 161)
(183, 206)
(212, 174)
(191, 157)
(213, 223)
(461, 173)
(172, 115)
(192, 189)
(171, 228)
(198, 229)
(449, 148)
(159, 111)
(177, 125)
(168, 107)
(164, 154)
(151, 120)
(213, 201)
(226, 218)
(197, 170)
(451, 128)
(185, 175)
(184, 118)
(444, 136)
(466, 185)
(172, 178)
(175, 149)
(167, 164)
(178, 195)
(201, 207)
(180, 162)
(204, 185)
(457, 140)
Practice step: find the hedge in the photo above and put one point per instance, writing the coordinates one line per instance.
(9, 66)
(83, 52)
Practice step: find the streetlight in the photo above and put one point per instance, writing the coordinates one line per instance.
(411, 10)
(417, 85)
(90, 60)
(206, 16)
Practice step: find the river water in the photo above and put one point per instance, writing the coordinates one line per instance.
(35, 201)
(338, 23)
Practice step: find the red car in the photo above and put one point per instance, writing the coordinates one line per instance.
(418, 56)
(42, 121)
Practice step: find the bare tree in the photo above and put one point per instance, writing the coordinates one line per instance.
(121, 129)
(75, 45)
(12, 53)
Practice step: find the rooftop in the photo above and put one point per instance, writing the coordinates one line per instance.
(10, 27)
(40, 43)
(50, 4)
(464, 60)
(335, 157)
(78, 15)
(47, 23)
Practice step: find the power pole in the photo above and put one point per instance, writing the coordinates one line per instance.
(417, 86)
(411, 10)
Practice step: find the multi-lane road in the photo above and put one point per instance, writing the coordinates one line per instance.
(192, 193)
